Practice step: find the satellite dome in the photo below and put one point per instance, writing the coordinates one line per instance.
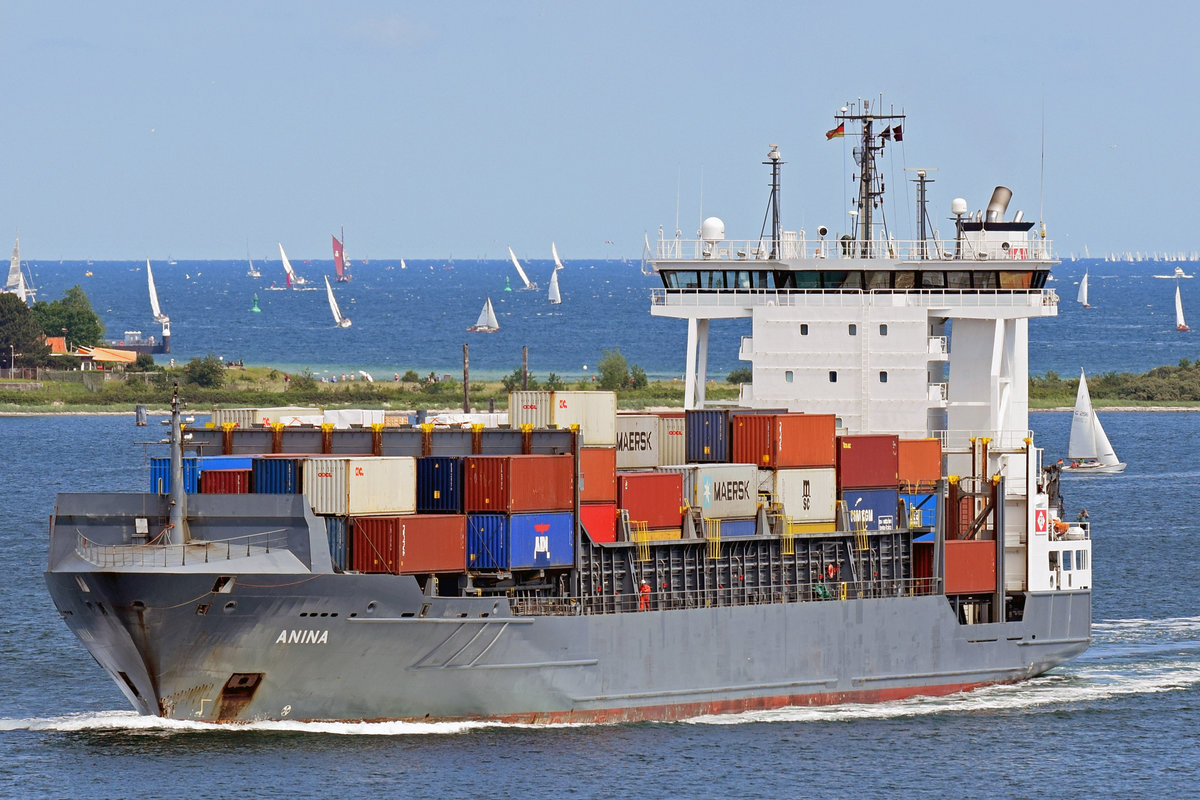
(712, 229)
(958, 206)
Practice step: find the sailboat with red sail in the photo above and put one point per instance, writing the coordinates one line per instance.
(339, 259)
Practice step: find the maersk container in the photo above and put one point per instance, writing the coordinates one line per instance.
(738, 527)
(672, 439)
(783, 441)
(439, 485)
(600, 520)
(276, 475)
(520, 541)
(921, 509)
(413, 544)
(361, 484)
(515, 483)
(720, 491)
(598, 474)
(335, 532)
(873, 509)
(868, 461)
(919, 463)
(160, 475)
(530, 408)
(707, 436)
(225, 481)
(655, 498)
(594, 412)
(637, 441)
(806, 495)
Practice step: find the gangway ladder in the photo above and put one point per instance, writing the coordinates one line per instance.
(858, 527)
(712, 532)
(638, 532)
(783, 526)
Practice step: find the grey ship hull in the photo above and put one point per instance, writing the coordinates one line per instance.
(288, 640)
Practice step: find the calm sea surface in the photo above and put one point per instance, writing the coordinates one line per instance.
(1122, 720)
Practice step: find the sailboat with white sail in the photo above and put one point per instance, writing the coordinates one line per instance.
(1180, 324)
(253, 272)
(338, 318)
(133, 340)
(520, 270)
(293, 280)
(555, 296)
(1082, 297)
(487, 322)
(557, 263)
(1089, 450)
(17, 283)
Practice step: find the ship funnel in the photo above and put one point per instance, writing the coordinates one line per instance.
(998, 204)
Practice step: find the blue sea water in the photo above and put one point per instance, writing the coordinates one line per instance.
(1122, 720)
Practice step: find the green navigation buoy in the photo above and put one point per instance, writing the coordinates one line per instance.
(255, 307)
(507, 285)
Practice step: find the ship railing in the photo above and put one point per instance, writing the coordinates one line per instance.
(669, 600)
(846, 298)
(196, 551)
(838, 249)
(961, 440)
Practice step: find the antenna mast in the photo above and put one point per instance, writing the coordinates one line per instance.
(870, 187)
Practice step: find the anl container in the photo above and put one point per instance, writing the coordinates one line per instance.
(413, 544)
(335, 532)
(637, 441)
(655, 498)
(806, 495)
(868, 461)
(720, 491)
(782, 441)
(919, 463)
(225, 481)
(598, 474)
(873, 509)
(520, 541)
(160, 475)
(515, 483)
(361, 484)
(600, 520)
(276, 475)
(707, 436)
(439, 485)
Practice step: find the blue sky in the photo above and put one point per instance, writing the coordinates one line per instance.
(429, 130)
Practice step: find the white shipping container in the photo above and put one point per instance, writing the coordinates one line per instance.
(361, 484)
(672, 445)
(458, 420)
(719, 491)
(285, 414)
(807, 495)
(531, 408)
(342, 418)
(594, 412)
(241, 417)
(637, 441)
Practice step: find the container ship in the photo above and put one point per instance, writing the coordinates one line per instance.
(872, 521)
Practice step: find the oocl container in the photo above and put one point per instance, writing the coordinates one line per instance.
(637, 441)
(361, 484)
(515, 483)
(413, 544)
(594, 412)
(720, 491)
(806, 495)
(530, 408)
(598, 474)
(919, 463)
(781, 441)
(439, 485)
(276, 475)
(655, 498)
(520, 541)
(873, 509)
(868, 461)
(600, 520)
(225, 481)
(672, 439)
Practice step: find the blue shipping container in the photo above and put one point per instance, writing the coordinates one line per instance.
(521, 541)
(873, 509)
(335, 529)
(277, 476)
(739, 527)
(439, 485)
(923, 506)
(160, 475)
(226, 462)
(706, 436)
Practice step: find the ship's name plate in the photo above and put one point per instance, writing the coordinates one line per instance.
(302, 637)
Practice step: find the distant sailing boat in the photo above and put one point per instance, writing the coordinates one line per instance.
(487, 322)
(293, 279)
(340, 262)
(554, 250)
(342, 322)
(1083, 289)
(520, 271)
(1180, 325)
(16, 283)
(252, 272)
(1089, 448)
(555, 297)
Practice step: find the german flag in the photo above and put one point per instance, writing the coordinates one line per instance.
(840, 130)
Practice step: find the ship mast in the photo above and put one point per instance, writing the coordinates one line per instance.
(774, 160)
(870, 185)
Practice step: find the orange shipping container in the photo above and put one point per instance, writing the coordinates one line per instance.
(970, 567)
(515, 483)
(920, 463)
(600, 519)
(655, 498)
(410, 544)
(785, 441)
(598, 475)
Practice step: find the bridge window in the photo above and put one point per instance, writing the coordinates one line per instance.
(958, 280)
(985, 280)
(904, 280)
(1016, 280)
(788, 376)
(853, 329)
(1066, 556)
(1081, 559)
(933, 279)
(879, 280)
(883, 330)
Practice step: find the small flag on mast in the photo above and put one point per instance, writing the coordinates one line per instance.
(840, 130)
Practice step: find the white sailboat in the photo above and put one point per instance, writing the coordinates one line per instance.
(557, 263)
(292, 278)
(1082, 297)
(555, 297)
(342, 322)
(253, 272)
(16, 283)
(1089, 449)
(520, 271)
(487, 322)
(1180, 325)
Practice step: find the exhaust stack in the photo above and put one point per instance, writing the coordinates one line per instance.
(998, 204)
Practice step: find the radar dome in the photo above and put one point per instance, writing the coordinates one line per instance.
(958, 206)
(712, 229)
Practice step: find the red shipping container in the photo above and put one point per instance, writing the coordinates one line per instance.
(868, 461)
(598, 475)
(920, 463)
(412, 544)
(970, 567)
(514, 483)
(225, 481)
(655, 498)
(785, 441)
(600, 519)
